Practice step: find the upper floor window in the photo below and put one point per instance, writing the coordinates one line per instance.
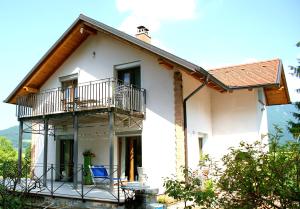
(69, 85)
(129, 74)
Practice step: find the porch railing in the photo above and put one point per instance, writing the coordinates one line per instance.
(31, 180)
(85, 96)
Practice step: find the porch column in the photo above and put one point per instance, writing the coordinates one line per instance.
(111, 127)
(45, 152)
(75, 150)
(20, 147)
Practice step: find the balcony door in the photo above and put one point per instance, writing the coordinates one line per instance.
(129, 78)
(69, 90)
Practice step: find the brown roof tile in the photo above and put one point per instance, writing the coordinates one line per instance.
(249, 75)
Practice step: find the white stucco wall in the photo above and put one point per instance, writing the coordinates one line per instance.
(38, 141)
(236, 116)
(158, 147)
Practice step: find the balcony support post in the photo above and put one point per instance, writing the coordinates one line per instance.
(20, 148)
(111, 127)
(75, 151)
(45, 152)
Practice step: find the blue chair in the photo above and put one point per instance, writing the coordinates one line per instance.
(100, 175)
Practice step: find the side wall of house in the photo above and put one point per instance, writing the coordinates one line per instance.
(158, 147)
(236, 116)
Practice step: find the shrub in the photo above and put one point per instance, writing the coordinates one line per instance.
(254, 177)
(193, 189)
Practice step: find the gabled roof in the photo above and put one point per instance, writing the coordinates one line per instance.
(76, 34)
(268, 74)
(223, 79)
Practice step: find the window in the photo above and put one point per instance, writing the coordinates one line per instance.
(129, 73)
(200, 141)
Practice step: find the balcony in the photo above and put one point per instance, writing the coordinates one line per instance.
(95, 95)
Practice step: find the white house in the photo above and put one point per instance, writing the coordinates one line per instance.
(128, 102)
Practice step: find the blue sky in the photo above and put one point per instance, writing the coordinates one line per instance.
(210, 33)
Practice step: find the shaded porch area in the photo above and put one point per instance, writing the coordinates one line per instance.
(58, 145)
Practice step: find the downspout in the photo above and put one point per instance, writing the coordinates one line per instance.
(185, 120)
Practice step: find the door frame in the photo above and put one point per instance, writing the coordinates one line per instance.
(58, 140)
(128, 66)
(122, 153)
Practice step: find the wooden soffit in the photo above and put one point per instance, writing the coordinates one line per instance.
(278, 95)
(53, 59)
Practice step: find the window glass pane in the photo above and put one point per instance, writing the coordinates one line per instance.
(200, 140)
(126, 78)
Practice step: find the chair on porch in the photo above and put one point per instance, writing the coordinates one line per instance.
(100, 176)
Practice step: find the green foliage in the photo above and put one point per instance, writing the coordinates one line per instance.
(27, 156)
(7, 151)
(251, 176)
(193, 189)
(11, 196)
(12, 134)
(294, 126)
(254, 177)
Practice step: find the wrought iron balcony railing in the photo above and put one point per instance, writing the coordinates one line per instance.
(85, 96)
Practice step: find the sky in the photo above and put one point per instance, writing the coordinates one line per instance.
(210, 33)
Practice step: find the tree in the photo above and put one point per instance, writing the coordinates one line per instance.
(294, 126)
(7, 151)
(27, 156)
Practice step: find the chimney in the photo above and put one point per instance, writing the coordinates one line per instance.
(142, 34)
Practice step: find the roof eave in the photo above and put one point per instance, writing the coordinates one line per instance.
(171, 57)
(28, 75)
(253, 86)
(100, 26)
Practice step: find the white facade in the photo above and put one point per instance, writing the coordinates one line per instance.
(222, 120)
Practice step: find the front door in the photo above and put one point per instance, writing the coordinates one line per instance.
(66, 160)
(129, 156)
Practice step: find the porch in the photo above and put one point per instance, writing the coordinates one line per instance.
(98, 130)
(32, 182)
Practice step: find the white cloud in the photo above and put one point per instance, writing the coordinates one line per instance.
(152, 13)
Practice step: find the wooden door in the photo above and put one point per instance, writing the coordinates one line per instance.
(129, 156)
